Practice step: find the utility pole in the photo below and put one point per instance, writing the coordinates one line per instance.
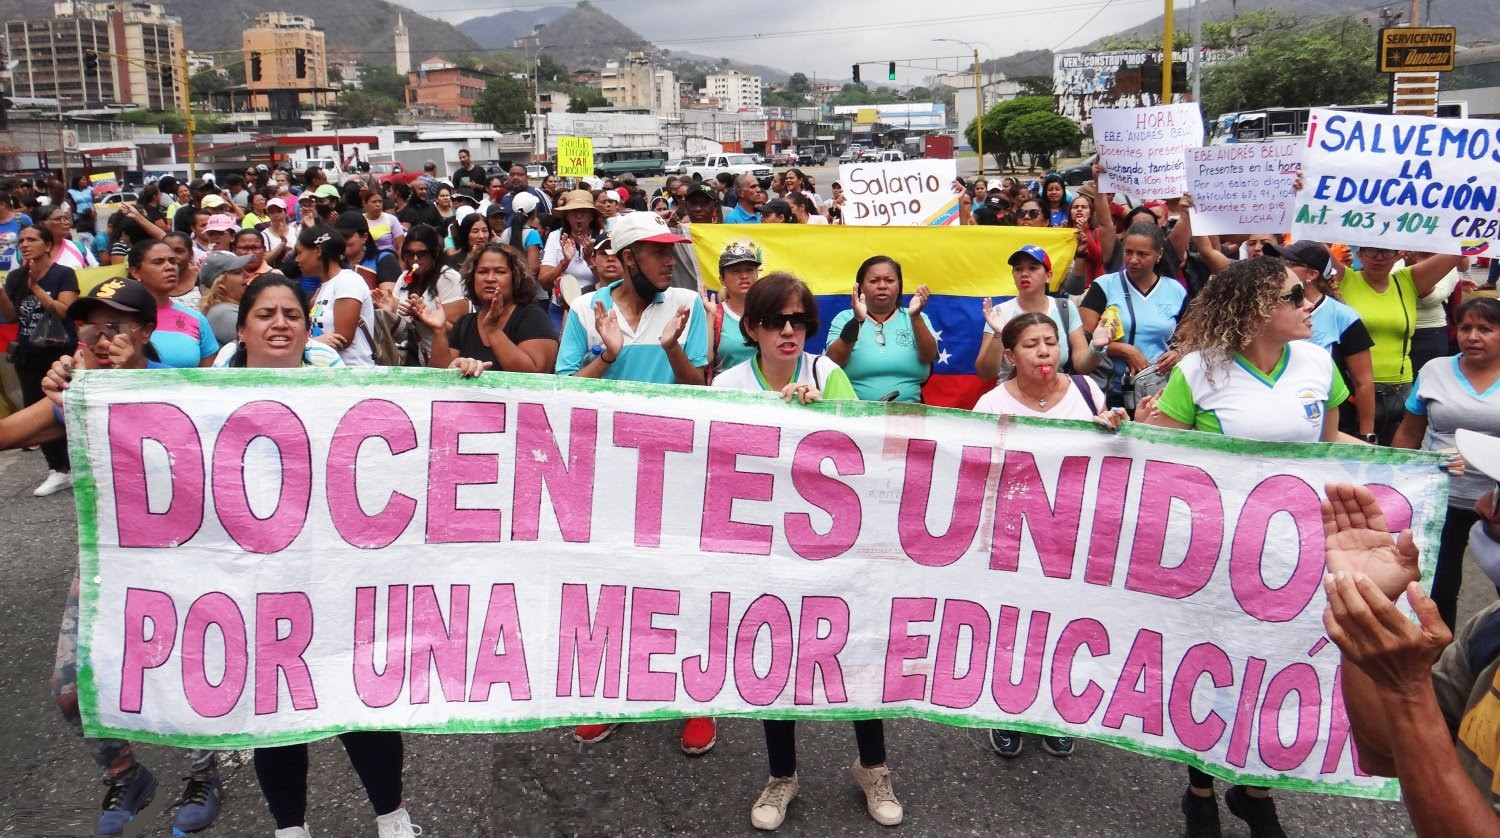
(187, 112)
(1197, 53)
(1166, 57)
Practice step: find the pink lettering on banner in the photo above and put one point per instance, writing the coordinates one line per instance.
(208, 699)
(901, 646)
(642, 683)
(447, 469)
(130, 425)
(1292, 496)
(596, 637)
(142, 651)
(950, 688)
(652, 437)
(1202, 659)
(770, 613)
(818, 653)
(502, 655)
(1397, 508)
(829, 494)
(1083, 633)
(1244, 714)
(1163, 483)
(703, 675)
(439, 644)
(1339, 740)
(1138, 691)
(920, 545)
(1298, 679)
(1010, 695)
(372, 419)
(278, 654)
(1109, 520)
(569, 480)
(727, 442)
(379, 689)
(1021, 501)
(283, 427)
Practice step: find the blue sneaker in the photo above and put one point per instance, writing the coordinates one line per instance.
(199, 805)
(128, 794)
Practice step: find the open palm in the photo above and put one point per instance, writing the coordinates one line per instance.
(1359, 541)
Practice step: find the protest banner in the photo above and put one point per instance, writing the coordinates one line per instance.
(904, 194)
(1243, 187)
(89, 278)
(275, 556)
(960, 265)
(1142, 148)
(575, 157)
(1402, 182)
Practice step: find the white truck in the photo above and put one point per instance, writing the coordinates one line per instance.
(733, 163)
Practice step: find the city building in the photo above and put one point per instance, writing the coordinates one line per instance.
(285, 61)
(93, 54)
(403, 47)
(636, 83)
(734, 90)
(444, 89)
(1476, 80)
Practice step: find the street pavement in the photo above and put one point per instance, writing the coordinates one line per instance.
(636, 783)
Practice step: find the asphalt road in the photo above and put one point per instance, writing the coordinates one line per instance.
(542, 784)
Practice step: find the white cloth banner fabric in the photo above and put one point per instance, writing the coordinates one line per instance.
(271, 557)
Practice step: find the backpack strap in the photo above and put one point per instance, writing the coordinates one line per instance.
(1088, 395)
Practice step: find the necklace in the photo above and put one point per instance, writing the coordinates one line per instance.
(1040, 402)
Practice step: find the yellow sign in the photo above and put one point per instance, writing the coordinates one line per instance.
(1411, 49)
(575, 157)
(90, 277)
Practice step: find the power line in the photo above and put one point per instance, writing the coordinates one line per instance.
(1091, 19)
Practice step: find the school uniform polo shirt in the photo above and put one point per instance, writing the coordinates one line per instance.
(1154, 316)
(884, 358)
(641, 358)
(1240, 400)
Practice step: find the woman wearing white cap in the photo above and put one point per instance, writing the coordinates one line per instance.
(525, 230)
(1031, 269)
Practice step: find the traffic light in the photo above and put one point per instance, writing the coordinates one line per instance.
(856, 74)
(301, 63)
(255, 66)
(91, 63)
(891, 73)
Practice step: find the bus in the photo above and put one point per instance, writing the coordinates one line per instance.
(1271, 124)
(641, 162)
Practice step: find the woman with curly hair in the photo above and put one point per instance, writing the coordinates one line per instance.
(505, 331)
(1250, 371)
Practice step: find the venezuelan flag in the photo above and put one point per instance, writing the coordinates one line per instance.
(103, 183)
(961, 265)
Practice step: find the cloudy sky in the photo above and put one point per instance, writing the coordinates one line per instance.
(827, 36)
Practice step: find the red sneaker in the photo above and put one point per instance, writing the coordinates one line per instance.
(699, 736)
(593, 734)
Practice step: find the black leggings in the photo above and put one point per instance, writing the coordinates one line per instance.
(1449, 575)
(781, 744)
(282, 772)
(31, 372)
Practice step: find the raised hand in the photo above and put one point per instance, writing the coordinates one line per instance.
(60, 376)
(1395, 653)
(432, 317)
(497, 311)
(675, 326)
(607, 324)
(918, 299)
(992, 316)
(1358, 541)
(857, 302)
(383, 299)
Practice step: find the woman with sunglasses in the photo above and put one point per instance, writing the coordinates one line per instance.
(886, 349)
(1251, 372)
(1031, 213)
(427, 278)
(780, 312)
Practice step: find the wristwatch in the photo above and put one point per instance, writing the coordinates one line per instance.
(1371, 438)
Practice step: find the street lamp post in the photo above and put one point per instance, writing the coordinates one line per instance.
(978, 103)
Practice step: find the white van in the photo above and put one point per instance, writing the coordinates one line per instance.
(891, 156)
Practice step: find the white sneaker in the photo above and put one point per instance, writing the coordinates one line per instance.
(56, 481)
(770, 808)
(880, 799)
(294, 832)
(396, 824)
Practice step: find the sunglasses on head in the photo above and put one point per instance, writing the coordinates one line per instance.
(1296, 295)
(776, 322)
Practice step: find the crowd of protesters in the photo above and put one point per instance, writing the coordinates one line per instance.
(1251, 336)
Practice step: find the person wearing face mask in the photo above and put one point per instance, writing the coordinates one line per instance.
(1249, 372)
(887, 349)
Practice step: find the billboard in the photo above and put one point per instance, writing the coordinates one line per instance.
(1082, 81)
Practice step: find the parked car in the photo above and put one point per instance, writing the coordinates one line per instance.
(849, 155)
(870, 155)
(676, 167)
(784, 159)
(117, 198)
(812, 155)
(1080, 174)
(537, 172)
(735, 164)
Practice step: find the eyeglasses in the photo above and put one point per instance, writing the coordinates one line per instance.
(799, 321)
(418, 254)
(1376, 253)
(880, 333)
(1297, 295)
(89, 333)
(1031, 213)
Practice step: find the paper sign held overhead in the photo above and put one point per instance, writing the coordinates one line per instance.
(575, 157)
(908, 193)
(1243, 187)
(1142, 148)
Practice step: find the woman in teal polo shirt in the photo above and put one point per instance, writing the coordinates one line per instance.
(884, 348)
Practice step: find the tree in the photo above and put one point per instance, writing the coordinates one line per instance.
(583, 98)
(548, 70)
(1035, 85)
(205, 83)
(1319, 63)
(383, 80)
(1040, 134)
(357, 108)
(504, 103)
(859, 94)
(996, 121)
(919, 94)
(797, 83)
(784, 98)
